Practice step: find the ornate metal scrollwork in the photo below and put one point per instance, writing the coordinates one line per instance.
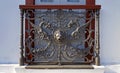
(60, 36)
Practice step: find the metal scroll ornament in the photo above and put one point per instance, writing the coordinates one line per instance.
(59, 36)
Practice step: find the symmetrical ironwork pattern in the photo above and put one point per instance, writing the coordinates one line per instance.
(60, 36)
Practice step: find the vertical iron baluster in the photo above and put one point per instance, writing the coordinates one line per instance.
(97, 46)
(22, 37)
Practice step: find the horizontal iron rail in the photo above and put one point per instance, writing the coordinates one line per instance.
(60, 7)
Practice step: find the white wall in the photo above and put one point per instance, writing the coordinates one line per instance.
(109, 31)
(9, 30)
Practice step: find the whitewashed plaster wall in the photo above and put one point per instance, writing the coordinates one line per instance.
(9, 30)
(109, 31)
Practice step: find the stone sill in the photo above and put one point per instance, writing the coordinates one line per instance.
(59, 67)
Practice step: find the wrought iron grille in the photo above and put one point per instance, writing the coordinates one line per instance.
(60, 36)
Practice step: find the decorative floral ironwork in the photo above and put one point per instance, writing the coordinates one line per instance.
(59, 36)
